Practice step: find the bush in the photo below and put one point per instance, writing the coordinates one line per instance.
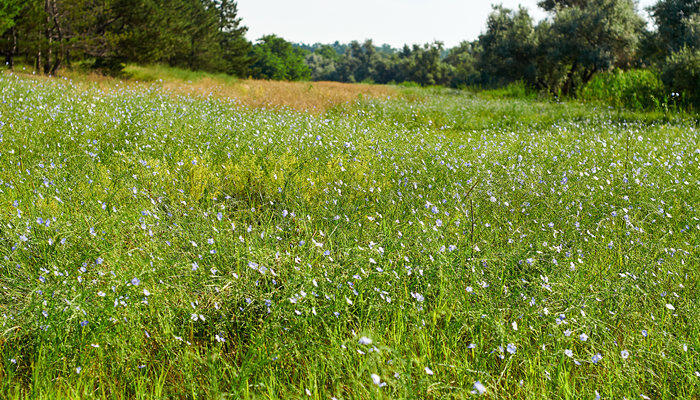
(513, 90)
(681, 75)
(636, 89)
(110, 66)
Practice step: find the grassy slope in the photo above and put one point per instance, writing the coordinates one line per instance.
(210, 249)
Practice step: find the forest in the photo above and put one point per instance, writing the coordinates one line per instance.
(581, 48)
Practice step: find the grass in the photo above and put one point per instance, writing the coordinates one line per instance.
(159, 244)
(311, 97)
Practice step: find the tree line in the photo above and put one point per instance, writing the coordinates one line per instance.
(195, 34)
(560, 54)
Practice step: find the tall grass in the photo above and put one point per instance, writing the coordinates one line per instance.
(159, 245)
(639, 89)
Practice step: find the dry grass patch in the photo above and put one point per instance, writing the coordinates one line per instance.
(304, 96)
(314, 97)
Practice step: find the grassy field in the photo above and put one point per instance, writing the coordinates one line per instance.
(418, 243)
(311, 97)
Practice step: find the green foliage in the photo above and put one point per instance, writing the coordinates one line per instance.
(681, 75)
(636, 89)
(196, 34)
(552, 5)
(514, 90)
(8, 12)
(584, 40)
(422, 64)
(462, 62)
(678, 24)
(275, 58)
(507, 47)
(323, 67)
(235, 48)
(157, 72)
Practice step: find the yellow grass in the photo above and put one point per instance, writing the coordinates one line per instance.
(314, 97)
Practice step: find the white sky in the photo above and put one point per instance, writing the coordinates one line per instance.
(385, 21)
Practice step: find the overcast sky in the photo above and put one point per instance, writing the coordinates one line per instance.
(385, 21)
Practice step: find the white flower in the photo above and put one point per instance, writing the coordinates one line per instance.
(365, 340)
(428, 371)
(479, 387)
(377, 380)
(670, 307)
(568, 353)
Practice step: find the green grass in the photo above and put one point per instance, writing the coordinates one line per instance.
(214, 252)
(152, 73)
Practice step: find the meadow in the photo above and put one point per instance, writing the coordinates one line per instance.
(406, 243)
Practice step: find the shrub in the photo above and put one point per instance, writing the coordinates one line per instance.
(513, 90)
(636, 89)
(681, 75)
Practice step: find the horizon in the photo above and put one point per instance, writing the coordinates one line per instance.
(392, 22)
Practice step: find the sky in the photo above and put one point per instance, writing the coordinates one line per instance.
(394, 22)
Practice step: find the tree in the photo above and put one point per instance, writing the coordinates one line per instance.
(9, 9)
(678, 24)
(463, 60)
(322, 68)
(426, 67)
(584, 40)
(681, 75)
(275, 58)
(552, 5)
(507, 47)
(235, 47)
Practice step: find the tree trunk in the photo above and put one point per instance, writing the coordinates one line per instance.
(59, 31)
(49, 38)
(10, 56)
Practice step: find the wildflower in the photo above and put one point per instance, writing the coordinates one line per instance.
(596, 357)
(135, 281)
(378, 380)
(428, 371)
(479, 387)
(365, 340)
(624, 354)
